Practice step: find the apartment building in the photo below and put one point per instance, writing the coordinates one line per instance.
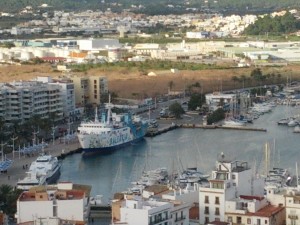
(21, 100)
(67, 94)
(88, 90)
(254, 210)
(65, 201)
(292, 204)
(135, 210)
(229, 180)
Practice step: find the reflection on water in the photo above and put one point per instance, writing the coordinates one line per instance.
(115, 171)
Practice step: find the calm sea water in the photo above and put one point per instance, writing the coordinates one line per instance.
(179, 148)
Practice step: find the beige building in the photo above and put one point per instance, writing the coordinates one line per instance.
(292, 204)
(88, 90)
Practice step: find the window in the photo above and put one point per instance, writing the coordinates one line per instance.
(233, 184)
(249, 221)
(206, 210)
(258, 222)
(229, 219)
(217, 211)
(217, 201)
(233, 176)
(206, 200)
(239, 219)
(266, 221)
(95, 81)
(206, 220)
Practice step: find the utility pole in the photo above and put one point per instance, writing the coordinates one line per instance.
(13, 140)
(2, 152)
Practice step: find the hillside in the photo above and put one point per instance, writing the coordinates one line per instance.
(152, 7)
(132, 85)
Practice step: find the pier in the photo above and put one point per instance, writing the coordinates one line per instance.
(223, 127)
(155, 132)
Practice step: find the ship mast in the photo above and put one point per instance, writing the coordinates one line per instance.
(96, 115)
(108, 110)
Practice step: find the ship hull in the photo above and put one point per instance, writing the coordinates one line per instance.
(110, 148)
(54, 177)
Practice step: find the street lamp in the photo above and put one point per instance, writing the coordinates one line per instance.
(53, 134)
(13, 140)
(34, 137)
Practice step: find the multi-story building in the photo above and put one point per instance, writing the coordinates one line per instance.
(88, 90)
(65, 201)
(229, 180)
(254, 210)
(21, 100)
(134, 210)
(67, 94)
(292, 204)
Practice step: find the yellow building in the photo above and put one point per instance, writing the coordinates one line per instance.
(88, 90)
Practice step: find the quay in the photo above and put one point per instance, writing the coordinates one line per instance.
(155, 132)
(16, 171)
(223, 127)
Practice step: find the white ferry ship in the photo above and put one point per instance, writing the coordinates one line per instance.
(112, 132)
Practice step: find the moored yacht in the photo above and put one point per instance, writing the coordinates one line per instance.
(30, 180)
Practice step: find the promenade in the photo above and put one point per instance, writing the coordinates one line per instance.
(17, 172)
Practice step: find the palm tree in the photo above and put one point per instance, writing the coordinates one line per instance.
(8, 198)
(170, 85)
(242, 79)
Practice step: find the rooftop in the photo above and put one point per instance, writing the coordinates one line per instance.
(267, 211)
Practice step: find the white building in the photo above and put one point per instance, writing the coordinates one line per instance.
(215, 98)
(67, 94)
(253, 210)
(230, 179)
(98, 44)
(292, 200)
(21, 100)
(65, 201)
(158, 204)
(134, 210)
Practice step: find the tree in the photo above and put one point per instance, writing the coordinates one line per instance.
(176, 109)
(216, 116)
(8, 198)
(196, 100)
(170, 85)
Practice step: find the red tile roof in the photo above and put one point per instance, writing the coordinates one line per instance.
(249, 197)
(267, 211)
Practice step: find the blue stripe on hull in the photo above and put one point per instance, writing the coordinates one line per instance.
(111, 148)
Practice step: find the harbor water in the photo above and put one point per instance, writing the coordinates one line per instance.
(181, 148)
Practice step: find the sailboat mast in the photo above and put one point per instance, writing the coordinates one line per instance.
(108, 110)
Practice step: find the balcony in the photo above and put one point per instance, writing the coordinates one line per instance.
(180, 218)
(293, 217)
(157, 221)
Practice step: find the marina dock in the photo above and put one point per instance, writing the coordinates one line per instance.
(155, 132)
